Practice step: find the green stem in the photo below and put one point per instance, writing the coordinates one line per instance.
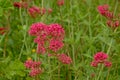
(49, 67)
(58, 70)
(24, 34)
(100, 72)
(42, 3)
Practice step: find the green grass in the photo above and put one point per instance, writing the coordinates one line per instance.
(86, 33)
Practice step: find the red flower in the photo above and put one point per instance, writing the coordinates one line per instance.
(104, 11)
(110, 23)
(55, 45)
(93, 75)
(94, 63)
(64, 59)
(40, 49)
(109, 14)
(37, 29)
(56, 31)
(2, 30)
(34, 66)
(100, 57)
(34, 11)
(49, 10)
(116, 23)
(24, 4)
(47, 37)
(60, 2)
(107, 64)
(43, 11)
(28, 64)
(35, 71)
(17, 4)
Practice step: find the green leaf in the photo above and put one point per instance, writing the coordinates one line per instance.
(29, 78)
(20, 73)
(1, 11)
(17, 65)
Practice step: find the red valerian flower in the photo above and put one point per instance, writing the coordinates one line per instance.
(35, 72)
(55, 45)
(34, 67)
(37, 29)
(28, 64)
(40, 49)
(100, 57)
(24, 4)
(64, 59)
(47, 36)
(56, 31)
(50, 10)
(43, 11)
(17, 4)
(60, 2)
(93, 75)
(113, 24)
(110, 23)
(34, 11)
(94, 63)
(116, 23)
(109, 14)
(32, 64)
(107, 64)
(3, 30)
(104, 11)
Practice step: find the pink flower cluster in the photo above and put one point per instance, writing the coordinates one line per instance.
(17, 4)
(47, 36)
(33, 11)
(60, 2)
(113, 24)
(55, 45)
(101, 58)
(111, 21)
(64, 59)
(22, 4)
(34, 66)
(3, 30)
(104, 10)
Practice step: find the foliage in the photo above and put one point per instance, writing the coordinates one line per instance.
(86, 33)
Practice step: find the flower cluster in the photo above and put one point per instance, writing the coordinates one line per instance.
(52, 35)
(64, 59)
(60, 2)
(17, 4)
(34, 66)
(104, 10)
(55, 45)
(111, 21)
(100, 58)
(33, 11)
(49, 38)
(2, 30)
(22, 4)
(50, 10)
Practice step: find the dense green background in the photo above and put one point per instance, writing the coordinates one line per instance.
(86, 33)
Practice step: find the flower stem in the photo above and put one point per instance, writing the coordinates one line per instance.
(100, 72)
